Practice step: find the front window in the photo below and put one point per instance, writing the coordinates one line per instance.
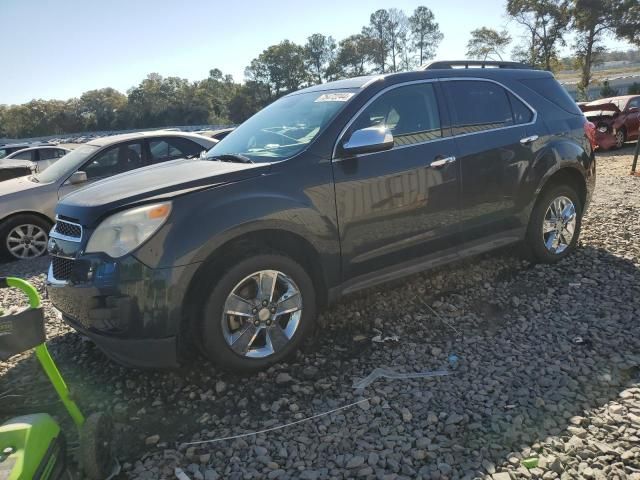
(66, 165)
(284, 128)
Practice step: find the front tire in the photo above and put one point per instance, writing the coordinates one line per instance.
(621, 138)
(258, 313)
(554, 225)
(24, 237)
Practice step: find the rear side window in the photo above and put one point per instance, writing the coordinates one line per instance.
(50, 153)
(478, 106)
(409, 112)
(521, 113)
(550, 89)
(163, 149)
(24, 155)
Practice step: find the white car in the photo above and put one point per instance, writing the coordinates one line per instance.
(38, 158)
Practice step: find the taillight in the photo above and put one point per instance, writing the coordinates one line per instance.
(590, 133)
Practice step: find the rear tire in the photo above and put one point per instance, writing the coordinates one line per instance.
(552, 237)
(274, 301)
(24, 237)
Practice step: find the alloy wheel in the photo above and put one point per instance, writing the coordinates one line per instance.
(26, 241)
(619, 139)
(559, 225)
(261, 314)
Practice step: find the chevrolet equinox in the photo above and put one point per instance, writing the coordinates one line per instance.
(326, 191)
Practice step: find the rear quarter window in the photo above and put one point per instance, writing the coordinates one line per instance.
(550, 89)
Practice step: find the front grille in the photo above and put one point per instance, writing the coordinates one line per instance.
(62, 268)
(68, 229)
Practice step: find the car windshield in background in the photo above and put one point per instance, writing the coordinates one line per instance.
(66, 165)
(284, 128)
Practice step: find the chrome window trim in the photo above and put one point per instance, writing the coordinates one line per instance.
(334, 158)
(60, 236)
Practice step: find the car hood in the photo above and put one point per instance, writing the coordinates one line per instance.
(600, 109)
(156, 182)
(16, 185)
(12, 163)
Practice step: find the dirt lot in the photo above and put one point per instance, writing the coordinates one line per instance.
(546, 385)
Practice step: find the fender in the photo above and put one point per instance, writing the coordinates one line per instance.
(557, 155)
(203, 221)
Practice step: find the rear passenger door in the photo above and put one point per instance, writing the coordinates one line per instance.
(492, 129)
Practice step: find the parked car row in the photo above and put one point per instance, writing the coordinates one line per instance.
(326, 191)
(616, 120)
(27, 204)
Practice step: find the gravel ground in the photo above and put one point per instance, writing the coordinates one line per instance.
(546, 382)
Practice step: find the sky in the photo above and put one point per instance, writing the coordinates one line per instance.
(60, 49)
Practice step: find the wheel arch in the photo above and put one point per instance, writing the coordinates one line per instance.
(267, 240)
(27, 212)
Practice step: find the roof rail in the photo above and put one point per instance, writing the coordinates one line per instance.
(446, 64)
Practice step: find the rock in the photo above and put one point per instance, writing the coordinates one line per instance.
(283, 378)
(355, 462)
(220, 387)
(152, 440)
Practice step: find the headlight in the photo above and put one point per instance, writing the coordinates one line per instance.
(124, 231)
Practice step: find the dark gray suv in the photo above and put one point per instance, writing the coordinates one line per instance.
(329, 190)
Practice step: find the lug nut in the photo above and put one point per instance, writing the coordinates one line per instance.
(273, 310)
(256, 322)
(268, 322)
(265, 303)
(254, 310)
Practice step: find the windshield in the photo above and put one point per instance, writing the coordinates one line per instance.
(66, 165)
(284, 128)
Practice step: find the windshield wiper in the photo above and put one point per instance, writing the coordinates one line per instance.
(232, 157)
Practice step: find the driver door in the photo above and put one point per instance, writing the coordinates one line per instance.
(106, 163)
(399, 205)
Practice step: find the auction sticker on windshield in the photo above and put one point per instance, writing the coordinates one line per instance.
(334, 97)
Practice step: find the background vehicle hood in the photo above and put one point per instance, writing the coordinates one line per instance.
(600, 109)
(19, 184)
(156, 182)
(11, 163)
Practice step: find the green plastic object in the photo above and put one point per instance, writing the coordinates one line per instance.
(531, 462)
(31, 446)
(48, 365)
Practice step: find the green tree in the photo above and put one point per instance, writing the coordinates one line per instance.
(378, 34)
(397, 32)
(319, 52)
(486, 43)
(634, 89)
(607, 90)
(425, 32)
(101, 109)
(353, 56)
(280, 67)
(592, 20)
(628, 24)
(545, 23)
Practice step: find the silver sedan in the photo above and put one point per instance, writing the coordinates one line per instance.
(27, 204)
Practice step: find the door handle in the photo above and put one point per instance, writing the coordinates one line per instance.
(441, 162)
(528, 140)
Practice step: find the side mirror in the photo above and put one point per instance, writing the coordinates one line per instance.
(77, 177)
(369, 140)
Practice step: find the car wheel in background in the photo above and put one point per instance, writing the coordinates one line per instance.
(621, 137)
(554, 225)
(24, 237)
(258, 313)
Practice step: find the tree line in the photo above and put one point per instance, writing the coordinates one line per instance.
(392, 41)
